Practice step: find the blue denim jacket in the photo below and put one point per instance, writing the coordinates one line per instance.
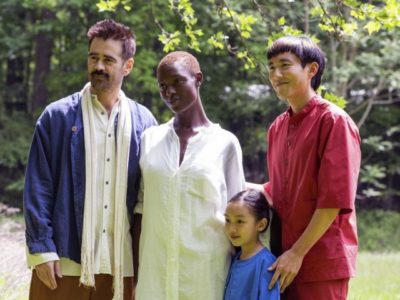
(55, 177)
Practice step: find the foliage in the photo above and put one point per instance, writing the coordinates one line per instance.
(378, 230)
(229, 38)
(15, 136)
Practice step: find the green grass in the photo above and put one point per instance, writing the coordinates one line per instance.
(378, 277)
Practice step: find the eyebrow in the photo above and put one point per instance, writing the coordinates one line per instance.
(236, 216)
(280, 60)
(105, 55)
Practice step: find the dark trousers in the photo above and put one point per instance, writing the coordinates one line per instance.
(68, 288)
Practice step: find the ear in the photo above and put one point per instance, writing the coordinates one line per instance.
(128, 66)
(313, 69)
(199, 78)
(262, 224)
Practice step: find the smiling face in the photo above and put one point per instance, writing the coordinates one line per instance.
(178, 86)
(106, 67)
(290, 80)
(241, 226)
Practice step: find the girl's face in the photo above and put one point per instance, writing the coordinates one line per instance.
(241, 226)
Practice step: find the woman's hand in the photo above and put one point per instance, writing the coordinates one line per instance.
(286, 268)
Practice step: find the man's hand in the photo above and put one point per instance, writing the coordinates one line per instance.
(47, 273)
(286, 268)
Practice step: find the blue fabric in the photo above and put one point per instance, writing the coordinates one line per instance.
(249, 279)
(55, 177)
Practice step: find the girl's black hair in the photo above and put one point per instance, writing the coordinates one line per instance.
(256, 202)
(305, 49)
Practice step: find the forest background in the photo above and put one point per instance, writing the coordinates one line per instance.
(43, 58)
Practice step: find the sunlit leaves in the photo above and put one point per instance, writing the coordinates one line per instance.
(170, 40)
(373, 26)
(218, 40)
(248, 60)
(339, 101)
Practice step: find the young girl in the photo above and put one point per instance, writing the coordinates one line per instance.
(246, 217)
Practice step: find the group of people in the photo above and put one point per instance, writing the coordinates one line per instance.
(119, 207)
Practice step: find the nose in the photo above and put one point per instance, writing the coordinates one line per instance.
(276, 73)
(99, 65)
(169, 91)
(231, 229)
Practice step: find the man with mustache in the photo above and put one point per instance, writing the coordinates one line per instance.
(82, 179)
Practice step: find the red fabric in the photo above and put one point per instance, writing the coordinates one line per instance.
(313, 162)
(326, 290)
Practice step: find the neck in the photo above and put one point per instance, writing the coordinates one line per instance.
(107, 98)
(191, 118)
(297, 103)
(251, 250)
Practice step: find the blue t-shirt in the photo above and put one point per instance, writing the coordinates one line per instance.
(248, 279)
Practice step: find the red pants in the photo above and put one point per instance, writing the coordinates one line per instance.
(68, 288)
(318, 290)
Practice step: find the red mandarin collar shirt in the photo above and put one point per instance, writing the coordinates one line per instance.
(313, 162)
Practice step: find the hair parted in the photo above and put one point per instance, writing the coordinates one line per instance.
(186, 58)
(257, 204)
(109, 29)
(305, 49)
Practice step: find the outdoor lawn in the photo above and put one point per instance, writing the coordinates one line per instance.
(378, 277)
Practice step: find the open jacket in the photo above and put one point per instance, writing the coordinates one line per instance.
(55, 176)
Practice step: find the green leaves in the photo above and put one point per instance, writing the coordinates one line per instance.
(170, 40)
(111, 5)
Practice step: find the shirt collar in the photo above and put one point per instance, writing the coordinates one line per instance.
(298, 117)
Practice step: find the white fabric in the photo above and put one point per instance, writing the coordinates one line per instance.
(122, 159)
(104, 252)
(184, 253)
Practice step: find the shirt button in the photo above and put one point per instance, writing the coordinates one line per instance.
(105, 206)
(109, 135)
(106, 182)
(104, 231)
(102, 112)
(108, 159)
(289, 143)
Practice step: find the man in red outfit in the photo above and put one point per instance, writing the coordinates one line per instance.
(313, 164)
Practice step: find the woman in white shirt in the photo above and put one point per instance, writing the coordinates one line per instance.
(190, 168)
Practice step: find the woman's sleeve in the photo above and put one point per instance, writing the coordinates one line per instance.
(233, 169)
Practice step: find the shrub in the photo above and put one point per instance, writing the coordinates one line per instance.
(378, 230)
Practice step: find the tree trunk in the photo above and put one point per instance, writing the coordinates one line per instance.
(44, 44)
(16, 94)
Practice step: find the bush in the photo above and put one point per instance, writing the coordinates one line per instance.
(378, 230)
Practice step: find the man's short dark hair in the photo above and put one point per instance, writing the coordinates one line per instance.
(109, 29)
(305, 49)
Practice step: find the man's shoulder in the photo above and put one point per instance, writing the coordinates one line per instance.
(332, 113)
(279, 120)
(141, 112)
(65, 104)
(330, 109)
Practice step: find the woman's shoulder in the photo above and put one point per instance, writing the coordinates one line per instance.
(224, 135)
(158, 130)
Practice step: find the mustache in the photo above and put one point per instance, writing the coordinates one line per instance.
(99, 73)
